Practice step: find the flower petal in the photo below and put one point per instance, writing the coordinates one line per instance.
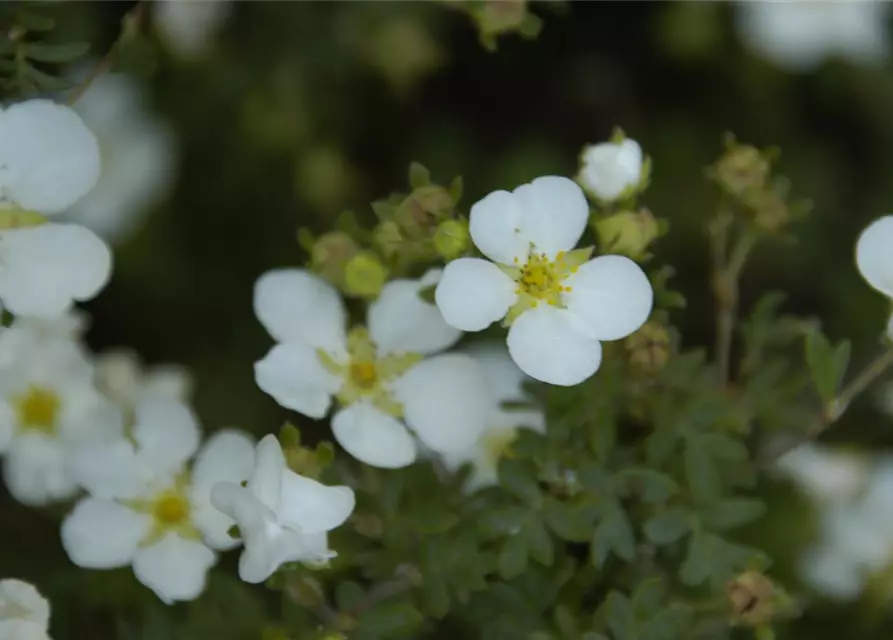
(102, 534)
(502, 376)
(25, 600)
(311, 507)
(167, 433)
(445, 401)
(108, 469)
(612, 295)
(400, 321)
(174, 568)
(269, 465)
(494, 224)
(294, 376)
(554, 213)
(473, 294)
(874, 256)
(610, 168)
(35, 471)
(296, 305)
(554, 346)
(373, 437)
(47, 268)
(15, 629)
(50, 158)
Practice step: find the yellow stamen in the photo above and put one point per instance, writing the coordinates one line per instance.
(38, 409)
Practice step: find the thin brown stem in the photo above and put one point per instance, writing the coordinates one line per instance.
(726, 278)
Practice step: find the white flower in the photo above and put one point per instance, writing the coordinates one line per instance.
(49, 159)
(800, 35)
(189, 26)
(379, 376)
(503, 384)
(24, 613)
(123, 378)
(610, 169)
(137, 157)
(874, 258)
(25, 334)
(282, 516)
(48, 406)
(559, 304)
(146, 509)
(826, 475)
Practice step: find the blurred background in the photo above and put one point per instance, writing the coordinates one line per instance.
(236, 123)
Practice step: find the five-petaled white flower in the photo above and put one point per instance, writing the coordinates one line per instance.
(282, 516)
(611, 169)
(800, 35)
(48, 405)
(137, 158)
(504, 384)
(379, 375)
(49, 159)
(122, 377)
(24, 613)
(147, 509)
(874, 258)
(558, 303)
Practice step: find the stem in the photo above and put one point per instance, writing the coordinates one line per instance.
(838, 405)
(726, 277)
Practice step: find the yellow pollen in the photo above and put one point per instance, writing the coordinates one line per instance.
(170, 508)
(363, 374)
(38, 409)
(541, 278)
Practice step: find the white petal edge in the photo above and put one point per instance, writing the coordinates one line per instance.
(108, 469)
(35, 470)
(102, 534)
(554, 346)
(293, 375)
(373, 437)
(174, 568)
(554, 213)
(494, 224)
(473, 294)
(311, 507)
(25, 599)
(266, 478)
(168, 434)
(874, 255)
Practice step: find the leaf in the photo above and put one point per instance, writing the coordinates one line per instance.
(388, 619)
(435, 596)
(503, 521)
(670, 624)
(696, 567)
(348, 595)
(827, 364)
(456, 188)
(519, 479)
(653, 486)
(618, 612)
(712, 558)
(667, 526)
(63, 52)
(539, 542)
(512, 560)
(566, 622)
(569, 522)
(613, 533)
(733, 512)
(700, 470)
(34, 21)
(419, 176)
(648, 597)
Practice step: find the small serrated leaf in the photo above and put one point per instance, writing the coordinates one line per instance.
(512, 559)
(419, 176)
(666, 527)
(519, 479)
(732, 512)
(56, 53)
(613, 533)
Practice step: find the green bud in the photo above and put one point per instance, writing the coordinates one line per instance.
(649, 348)
(330, 255)
(451, 238)
(768, 210)
(305, 591)
(364, 275)
(495, 17)
(367, 524)
(628, 233)
(752, 597)
(289, 436)
(741, 169)
(387, 237)
(423, 208)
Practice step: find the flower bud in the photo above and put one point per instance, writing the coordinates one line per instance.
(742, 169)
(387, 237)
(613, 170)
(305, 591)
(422, 208)
(769, 210)
(364, 275)
(495, 17)
(451, 238)
(752, 597)
(649, 348)
(330, 255)
(628, 233)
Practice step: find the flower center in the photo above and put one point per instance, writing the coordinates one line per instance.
(170, 508)
(13, 217)
(170, 511)
(367, 375)
(38, 409)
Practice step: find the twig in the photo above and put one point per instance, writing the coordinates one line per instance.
(726, 277)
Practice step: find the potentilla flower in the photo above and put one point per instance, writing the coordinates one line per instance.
(825, 474)
(146, 507)
(504, 385)
(122, 377)
(137, 158)
(49, 159)
(379, 373)
(189, 27)
(800, 35)
(874, 258)
(48, 406)
(559, 305)
(611, 169)
(282, 516)
(26, 334)
(24, 613)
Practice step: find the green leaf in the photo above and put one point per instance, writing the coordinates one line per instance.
(539, 542)
(502, 521)
(732, 512)
(696, 567)
(827, 363)
(566, 622)
(435, 596)
(512, 560)
(653, 486)
(419, 176)
(388, 619)
(667, 526)
(568, 521)
(427, 293)
(519, 479)
(700, 470)
(613, 533)
(348, 595)
(618, 612)
(671, 623)
(64, 52)
(712, 558)
(648, 597)
(34, 21)
(456, 188)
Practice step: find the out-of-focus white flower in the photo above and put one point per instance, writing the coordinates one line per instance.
(559, 304)
(49, 159)
(799, 35)
(825, 474)
(282, 516)
(379, 375)
(26, 334)
(146, 509)
(137, 152)
(189, 27)
(123, 378)
(874, 258)
(504, 384)
(24, 613)
(611, 169)
(48, 406)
